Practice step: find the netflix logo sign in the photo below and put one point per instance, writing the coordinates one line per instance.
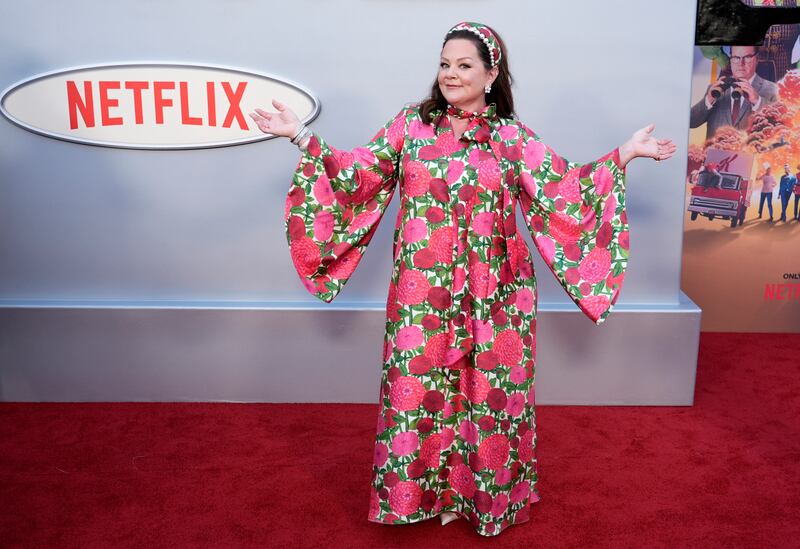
(151, 105)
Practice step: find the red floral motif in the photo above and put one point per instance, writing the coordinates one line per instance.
(508, 347)
(417, 179)
(436, 348)
(494, 451)
(595, 305)
(412, 288)
(305, 255)
(475, 385)
(430, 452)
(596, 265)
(564, 228)
(462, 480)
(489, 174)
(441, 243)
(406, 393)
(404, 497)
(345, 264)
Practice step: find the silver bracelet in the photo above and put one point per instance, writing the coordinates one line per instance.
(300, 132)
(303, 143)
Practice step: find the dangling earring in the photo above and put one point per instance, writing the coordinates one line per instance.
(488, 88)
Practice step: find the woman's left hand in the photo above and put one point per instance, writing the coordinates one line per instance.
(643, 144)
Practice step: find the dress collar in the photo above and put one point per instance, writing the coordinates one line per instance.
(482, 124)
(488, 112)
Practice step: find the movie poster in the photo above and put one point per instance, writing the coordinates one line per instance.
(741, 251)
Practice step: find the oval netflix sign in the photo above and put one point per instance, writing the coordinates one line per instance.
(151, 105)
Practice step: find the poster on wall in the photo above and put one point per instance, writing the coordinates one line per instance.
(741, 251)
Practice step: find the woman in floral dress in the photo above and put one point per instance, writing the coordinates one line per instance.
(456, 431)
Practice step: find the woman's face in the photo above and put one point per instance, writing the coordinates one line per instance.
(462, 76)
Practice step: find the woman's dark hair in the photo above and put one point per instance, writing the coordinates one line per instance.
(501, 87)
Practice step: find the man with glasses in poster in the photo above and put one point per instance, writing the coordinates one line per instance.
(732, 99)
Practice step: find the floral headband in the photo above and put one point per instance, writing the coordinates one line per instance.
(482, 32)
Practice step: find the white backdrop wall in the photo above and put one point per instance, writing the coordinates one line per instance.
(85, 227)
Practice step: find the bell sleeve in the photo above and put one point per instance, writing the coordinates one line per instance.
(335, 203)
(577, 219)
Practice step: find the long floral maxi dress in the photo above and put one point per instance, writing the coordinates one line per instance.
(456, 429)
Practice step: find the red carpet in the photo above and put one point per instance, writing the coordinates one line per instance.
(722, 473)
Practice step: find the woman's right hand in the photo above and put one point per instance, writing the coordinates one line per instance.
(284, 122)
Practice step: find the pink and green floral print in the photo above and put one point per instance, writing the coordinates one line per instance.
(456, 429)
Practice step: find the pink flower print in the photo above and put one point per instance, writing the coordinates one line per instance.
(533, 155)
(528, 184)
(454, 170)
(476, 156)
(508, 347)
(459, 277)
(611, 208)
(406, 393)
(417, 179)
(368, 184)
(508, 132)
(595, 305)
(430, 453)
(569, 187)
(345, 158)
(419, 130)
(518, 375)
(405, 443)
(404, 498)
(602, 180)
(447, 143)
(412, 288)
(494, 451)
(468, 431)
(483, 223)
(305, 255)
(524, 302)
(482, 330)
(482, 282)
(415, 230)
(474, 385)
(500, 505)
(409, 337)
(520, 492)
(381, 454)
(624, 240)
(396, 133)
(323, 225)
(435, 348)
(564, 228)
(452, 355)
(489, 174)
(462, 480)
(441, 244)
(323, 191)
(429, 152)
(364, 219)
(345, 264)
(448, 436)
(525, 449)
(374, 503)
(595, 266)
(546, 247)
(364, 156)
(502, 476)
(516, 403)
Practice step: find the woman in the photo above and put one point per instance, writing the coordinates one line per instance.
(456, 430)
